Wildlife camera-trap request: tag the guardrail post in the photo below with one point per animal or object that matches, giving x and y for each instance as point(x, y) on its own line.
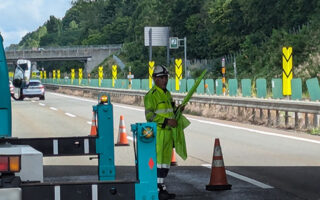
point(277, 117)
point(286, 118)
point(306, 120)
point(239, 111)
point(296, 120)
point(315, 120)
point(269, 117)
point(261, 114)
point(253, 114)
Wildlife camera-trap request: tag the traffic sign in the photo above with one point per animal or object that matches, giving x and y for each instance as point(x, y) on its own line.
point(173, 43)
point(130, 76)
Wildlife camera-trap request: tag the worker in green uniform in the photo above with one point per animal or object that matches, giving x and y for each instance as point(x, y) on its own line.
point(159, 108)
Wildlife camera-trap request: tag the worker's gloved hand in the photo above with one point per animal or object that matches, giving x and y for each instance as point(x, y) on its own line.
point(172, 122)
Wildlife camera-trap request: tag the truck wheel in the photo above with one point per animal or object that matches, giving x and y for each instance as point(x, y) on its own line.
point(42, 98)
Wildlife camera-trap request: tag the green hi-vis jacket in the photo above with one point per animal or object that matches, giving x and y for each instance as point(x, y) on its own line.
point(159, 107)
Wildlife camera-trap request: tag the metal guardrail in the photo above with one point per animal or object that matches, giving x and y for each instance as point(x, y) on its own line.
point(269, 104)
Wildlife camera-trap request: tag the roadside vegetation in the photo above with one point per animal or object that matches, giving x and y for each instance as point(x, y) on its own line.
point(251, 31)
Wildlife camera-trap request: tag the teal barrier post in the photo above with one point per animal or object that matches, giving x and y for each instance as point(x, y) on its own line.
point(296, 86)
point(246, 88)
point(171, 85)
point(145, 84)
point(183, 86)
point(313, 89)
point(146, 160)
point(136, 84)
point(104, 141)
point(190, 83)
point(5, 100)
point(276, 88)
point(219, 87)
point(233, 87)
point(210, 88)
point(200, 88)
point(261, 85)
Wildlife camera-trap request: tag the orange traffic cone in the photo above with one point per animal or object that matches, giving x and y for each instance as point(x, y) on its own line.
point(173, 158)
point(122, 136)
point(218, 180)
point(93, 131)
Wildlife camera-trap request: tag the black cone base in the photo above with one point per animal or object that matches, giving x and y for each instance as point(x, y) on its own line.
point(121, 145)
point(218, 187)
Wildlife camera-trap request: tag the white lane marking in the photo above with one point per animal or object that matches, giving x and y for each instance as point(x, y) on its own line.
point(255, 131)
point(42, 104)
point(94, 189)
point(57, 192)
point(53, 108)
point(69, 114)
point(72, 97)
point(206, 122)
point(92, 101)
point(90, 123)
point(243, 178)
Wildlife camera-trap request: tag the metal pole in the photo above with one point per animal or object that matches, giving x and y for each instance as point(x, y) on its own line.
point(235, 67)
point(150, 44)
point(223, 70)
point(130, 77)
point(185, 57)
point(168, 49)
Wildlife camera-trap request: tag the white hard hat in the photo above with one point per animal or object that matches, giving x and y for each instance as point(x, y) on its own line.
point(160, 70)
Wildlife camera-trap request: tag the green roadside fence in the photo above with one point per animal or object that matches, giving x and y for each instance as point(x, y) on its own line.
point(208, 86)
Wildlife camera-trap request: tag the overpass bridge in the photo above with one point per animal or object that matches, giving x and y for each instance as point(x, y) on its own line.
point(91, 55)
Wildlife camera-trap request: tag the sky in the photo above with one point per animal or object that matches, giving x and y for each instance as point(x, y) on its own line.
point(19, 17)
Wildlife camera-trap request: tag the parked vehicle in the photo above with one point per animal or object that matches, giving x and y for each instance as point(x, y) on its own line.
point(21, 77)
point(34, 89)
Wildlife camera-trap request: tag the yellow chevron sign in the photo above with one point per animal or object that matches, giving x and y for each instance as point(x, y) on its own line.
point(80, 75)
point(114, 74)
point(58, 73)
point(151, 68)
point(54, 74)
point(178, 69)
point(100, 75)
point(287, 70)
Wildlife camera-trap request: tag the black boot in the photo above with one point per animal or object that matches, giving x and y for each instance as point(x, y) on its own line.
point(164, 194)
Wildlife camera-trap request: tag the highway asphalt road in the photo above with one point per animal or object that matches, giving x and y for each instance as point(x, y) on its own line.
point(262, 163)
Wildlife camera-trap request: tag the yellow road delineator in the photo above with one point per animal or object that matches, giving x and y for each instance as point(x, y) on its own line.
point(72, 75)
point(287, 70)
point(151, 68)
point(54, 74)
point(80, 75)
point(100, 75)
point(178, 70)
point(114, 74)
point(58, 75)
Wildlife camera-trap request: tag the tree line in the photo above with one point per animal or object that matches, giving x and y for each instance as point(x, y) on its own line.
point(252, 32)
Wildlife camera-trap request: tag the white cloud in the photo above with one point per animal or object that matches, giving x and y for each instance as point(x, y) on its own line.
point(19, 17)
